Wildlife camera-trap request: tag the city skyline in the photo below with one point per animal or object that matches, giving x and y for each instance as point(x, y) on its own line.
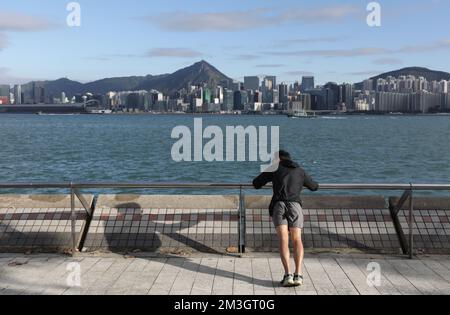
point(411, 90)
point(288, 39)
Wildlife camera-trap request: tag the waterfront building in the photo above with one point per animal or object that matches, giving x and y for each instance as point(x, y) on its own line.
point(18, 94)
point(424, 102)
point(364, 102)
point(4, 94)
point(305, 99)
point(347, 95)
point(63, 98)
point(317, 99)
point(387, 102)
point(446, 102)
point(332, 96)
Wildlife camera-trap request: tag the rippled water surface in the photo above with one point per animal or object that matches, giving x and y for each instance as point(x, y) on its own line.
point(138, 148)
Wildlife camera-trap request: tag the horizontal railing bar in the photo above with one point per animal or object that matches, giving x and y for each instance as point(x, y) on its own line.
point(118, 185)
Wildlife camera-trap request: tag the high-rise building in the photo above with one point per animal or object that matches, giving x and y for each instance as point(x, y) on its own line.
point(207, 96)
point(268, 86)
point(284, 93)
point(4, 95)
point(219, 94)
point(446, 102)
point(307, 83)
point(368, 85)
point(251, 83)
point(270, 82)
point(332, 95)
point(240, 100)
point(391, 102)
point(424, 102)
point(347, 95)
point(228, 100)
point(318, 99)
point(443, 86)
point(63, 98)
point(276, 97)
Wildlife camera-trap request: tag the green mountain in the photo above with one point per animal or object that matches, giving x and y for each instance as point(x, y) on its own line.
point(199, 73)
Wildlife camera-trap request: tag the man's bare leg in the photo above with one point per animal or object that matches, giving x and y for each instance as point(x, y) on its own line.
point(283, 237)
point(296, 236)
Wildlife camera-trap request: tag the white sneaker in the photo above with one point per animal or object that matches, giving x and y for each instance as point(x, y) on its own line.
point(288, 281)
point(298, 280)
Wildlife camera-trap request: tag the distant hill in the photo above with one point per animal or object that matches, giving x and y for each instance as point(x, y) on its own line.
point(56, 87)
point(199, 73)
point(430, 75)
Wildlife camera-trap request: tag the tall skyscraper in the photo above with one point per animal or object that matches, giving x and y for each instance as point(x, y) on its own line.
point(268, 86)
point(307, 83)
point(228, 100)
point(240, 100)
point(17, 94)
point(347, 95)
point(270, 82)
point(332, 95)
point(283, 93)
point(251, 83)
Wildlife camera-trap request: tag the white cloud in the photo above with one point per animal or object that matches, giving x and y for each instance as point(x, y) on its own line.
point(173, 53)
point(17, 22)
point(270, 66)
point(320, 14)
point(366, 51)
point(388, 61)
point(331, 53)
point(181, 21)
point(246, 57)
point(231, 21)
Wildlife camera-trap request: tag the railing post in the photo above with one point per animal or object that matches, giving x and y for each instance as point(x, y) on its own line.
point(411, 224)
point(73, 218)
point(242, 225)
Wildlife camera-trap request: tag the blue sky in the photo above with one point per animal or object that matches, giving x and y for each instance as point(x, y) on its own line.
point(287, 38)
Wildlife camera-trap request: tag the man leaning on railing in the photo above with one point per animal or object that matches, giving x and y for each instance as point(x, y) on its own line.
point(288, 180)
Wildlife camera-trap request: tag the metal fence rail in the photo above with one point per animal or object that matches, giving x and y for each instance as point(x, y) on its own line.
point(74, 190)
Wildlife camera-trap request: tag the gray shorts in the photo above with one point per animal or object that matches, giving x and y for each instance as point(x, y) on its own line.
point(288, 213)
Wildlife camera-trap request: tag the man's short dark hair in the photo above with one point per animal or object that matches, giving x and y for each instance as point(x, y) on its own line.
point(284, 155)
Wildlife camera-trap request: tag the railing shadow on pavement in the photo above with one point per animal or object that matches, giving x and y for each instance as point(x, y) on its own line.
point(75, 193)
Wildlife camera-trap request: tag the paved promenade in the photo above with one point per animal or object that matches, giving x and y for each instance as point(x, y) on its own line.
point(219, 275)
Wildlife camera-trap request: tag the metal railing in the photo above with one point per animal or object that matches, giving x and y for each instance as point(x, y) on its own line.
point(74, 189)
